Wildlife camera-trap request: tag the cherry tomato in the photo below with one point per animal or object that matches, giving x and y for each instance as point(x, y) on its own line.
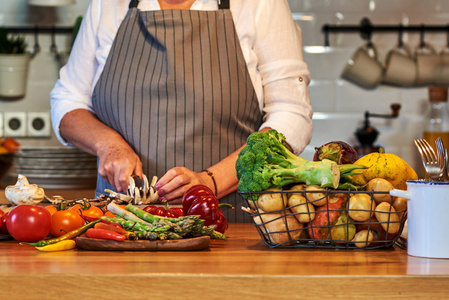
point(77, 207)
point(51, 208)
point(29, 223)
point(149, 208)
point(88, 210)
point(193, 193)
point(93, 211)
point(179, 211)
point(64, 221)
point(3, 228)
point(109, 214)
point(1, 213)
point(169, 212)
point(160, 211)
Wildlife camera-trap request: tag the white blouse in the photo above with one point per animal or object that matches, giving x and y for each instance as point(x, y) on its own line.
point(270, 40)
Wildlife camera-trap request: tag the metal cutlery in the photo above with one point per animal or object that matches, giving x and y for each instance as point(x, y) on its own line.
point(434, 168)
point(447, 163)
point(442, 156)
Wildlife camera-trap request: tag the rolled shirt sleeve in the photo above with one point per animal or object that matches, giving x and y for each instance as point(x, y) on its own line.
point(73, 90)
point(284, 74)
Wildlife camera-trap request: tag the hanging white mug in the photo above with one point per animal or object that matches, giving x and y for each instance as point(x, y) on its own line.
point(400, 67)
point(443, 68)
point(364, 68)
point(427, 64)
point(51, 2)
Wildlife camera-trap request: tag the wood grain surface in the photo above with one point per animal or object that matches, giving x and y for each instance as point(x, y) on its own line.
point(197, 243)
point(242, 267)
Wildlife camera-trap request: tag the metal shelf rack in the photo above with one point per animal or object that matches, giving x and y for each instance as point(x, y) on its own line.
point(366, 29)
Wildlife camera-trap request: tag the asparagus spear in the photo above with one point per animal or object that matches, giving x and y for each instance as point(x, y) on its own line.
point(117, 210)
point(152, 218)
point(136, 226)
point(151, 227)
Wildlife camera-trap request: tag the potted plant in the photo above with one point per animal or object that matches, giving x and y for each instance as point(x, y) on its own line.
point(14, 64)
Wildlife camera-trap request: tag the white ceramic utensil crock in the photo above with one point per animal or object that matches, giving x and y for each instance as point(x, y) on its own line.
point(428, 218)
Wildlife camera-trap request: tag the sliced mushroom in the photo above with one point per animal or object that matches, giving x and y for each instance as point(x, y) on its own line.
point(119, 196)
point(153, 197)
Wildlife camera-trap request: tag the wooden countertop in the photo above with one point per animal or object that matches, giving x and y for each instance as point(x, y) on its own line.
point(242, 267)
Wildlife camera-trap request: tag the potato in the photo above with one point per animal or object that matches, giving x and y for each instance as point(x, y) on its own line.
point(298, 187)
point(400, 205)
point(378, 231)
point(380, 185)
point(275, 227)
point(304, 211)
point(404, 233)
point(361, 207)
point(388, 218)
point(314, 197)
point(272, 201)
point(363, 238)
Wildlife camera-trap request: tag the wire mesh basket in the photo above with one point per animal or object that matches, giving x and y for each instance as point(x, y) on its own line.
point(326, 218)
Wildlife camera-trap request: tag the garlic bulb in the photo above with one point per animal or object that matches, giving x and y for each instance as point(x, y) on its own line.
point(24, 193)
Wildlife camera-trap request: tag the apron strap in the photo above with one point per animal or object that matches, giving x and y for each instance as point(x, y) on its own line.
point(223, 4)
point(133, 3)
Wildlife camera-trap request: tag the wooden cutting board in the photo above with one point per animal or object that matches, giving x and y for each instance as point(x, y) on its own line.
point(197, 243)
point(4, 236)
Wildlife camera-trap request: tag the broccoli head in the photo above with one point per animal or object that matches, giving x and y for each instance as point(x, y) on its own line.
point(266, 161)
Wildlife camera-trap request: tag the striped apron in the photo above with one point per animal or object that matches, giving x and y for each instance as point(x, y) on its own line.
point(176, 87)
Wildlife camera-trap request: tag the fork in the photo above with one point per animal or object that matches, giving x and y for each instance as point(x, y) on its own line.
point(442, 156)
point(431, 164)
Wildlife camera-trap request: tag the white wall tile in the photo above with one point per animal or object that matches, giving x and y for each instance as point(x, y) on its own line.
point(322, 95)
point(335, 127)
point(351, 98)
point(327, 65)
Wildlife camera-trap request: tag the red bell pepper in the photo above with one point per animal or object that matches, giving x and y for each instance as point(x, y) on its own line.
point(200, 200)
point(192, 194)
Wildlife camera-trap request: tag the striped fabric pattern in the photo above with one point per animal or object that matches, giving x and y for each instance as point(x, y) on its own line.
point(176, 87)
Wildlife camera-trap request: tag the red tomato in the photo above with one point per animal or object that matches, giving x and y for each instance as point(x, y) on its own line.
point(64, 221)
point(3, 228)
point(29, 223)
